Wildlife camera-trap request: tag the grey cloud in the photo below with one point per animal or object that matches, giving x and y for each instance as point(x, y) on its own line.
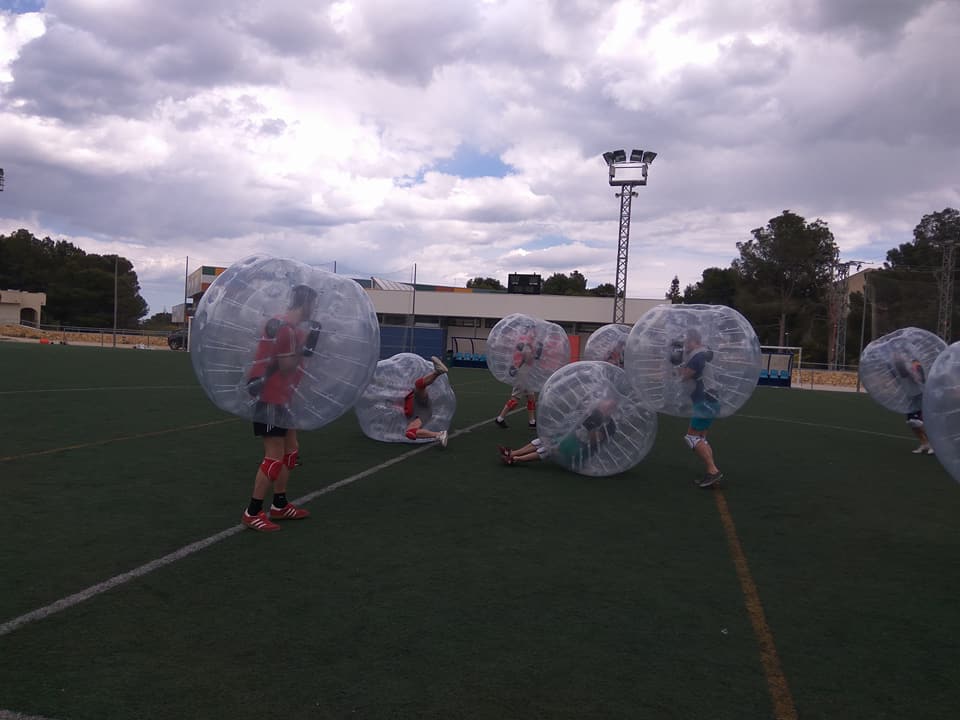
point(874, 24)
point(273, 126)
point(286, 214)
point(90, 64)
point(743, 62)
point(290, 31)
point(67, 73)
point(409, 41)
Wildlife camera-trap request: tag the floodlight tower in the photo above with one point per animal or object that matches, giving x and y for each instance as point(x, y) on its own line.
point(1, 179)
point(625, 174)
point(945, 317)
point(841, 286)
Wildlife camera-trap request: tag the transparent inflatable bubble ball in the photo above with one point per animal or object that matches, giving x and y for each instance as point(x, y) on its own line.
point(589, 419)
point(693, 360)
point(523, 351)
point(607, 343)
point(894, 367)
point(383, 406)
point(280, 342)
point(941, 409)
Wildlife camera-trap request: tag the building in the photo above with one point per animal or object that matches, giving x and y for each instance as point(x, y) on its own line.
point(466, 316)
point(17, 306)
point(436, 319)
point(196, 285)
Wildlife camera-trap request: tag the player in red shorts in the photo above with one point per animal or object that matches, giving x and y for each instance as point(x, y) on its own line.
point(417, 409)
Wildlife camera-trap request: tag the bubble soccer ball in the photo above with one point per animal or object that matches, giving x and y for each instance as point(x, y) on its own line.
point(607, 344)
point(248, 314)
point(894, 367)
point(941, 409)
point(380, 409)
point(523, 351)
point(693, 360)
point(590, 421)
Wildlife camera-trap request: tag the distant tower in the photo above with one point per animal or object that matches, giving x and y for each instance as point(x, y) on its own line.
point(944, 320)
point(626, 175)
point(841, 309)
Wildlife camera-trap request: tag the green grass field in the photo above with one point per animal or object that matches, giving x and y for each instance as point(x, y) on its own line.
point(821, 582)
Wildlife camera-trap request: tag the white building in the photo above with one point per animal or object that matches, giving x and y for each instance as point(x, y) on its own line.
point(470, 314)
point(17, 306)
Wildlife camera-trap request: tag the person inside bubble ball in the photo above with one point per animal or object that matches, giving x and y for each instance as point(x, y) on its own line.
point(615, 356)
point(910, 374)
point(417, 408)
point(691, 358)
point(574, 449)
point(278, 366)
point(527, 352)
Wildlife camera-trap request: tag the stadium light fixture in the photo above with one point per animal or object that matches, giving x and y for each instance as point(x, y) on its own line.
point(1, 179)
point(626, 175)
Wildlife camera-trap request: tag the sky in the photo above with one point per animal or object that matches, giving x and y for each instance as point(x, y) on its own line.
point(457, 139)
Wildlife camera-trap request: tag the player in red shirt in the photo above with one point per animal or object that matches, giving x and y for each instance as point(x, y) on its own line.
point(277, 370)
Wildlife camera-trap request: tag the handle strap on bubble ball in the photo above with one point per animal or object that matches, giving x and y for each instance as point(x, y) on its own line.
point(312, 337)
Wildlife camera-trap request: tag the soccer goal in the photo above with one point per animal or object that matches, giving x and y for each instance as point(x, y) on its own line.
point(777, 363)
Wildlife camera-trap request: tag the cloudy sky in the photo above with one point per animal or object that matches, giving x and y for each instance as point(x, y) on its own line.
point(464, 138)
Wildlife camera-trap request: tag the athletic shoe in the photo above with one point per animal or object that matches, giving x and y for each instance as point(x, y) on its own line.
point(925, 448)
point(259, 522)
point(438, 366)
point(501, 423)
point(930, 451)
point(442, 438)
point(711, 479)
point(532, 423)
point(288, 512)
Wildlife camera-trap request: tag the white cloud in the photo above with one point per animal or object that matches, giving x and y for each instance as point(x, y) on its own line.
point(213, 130)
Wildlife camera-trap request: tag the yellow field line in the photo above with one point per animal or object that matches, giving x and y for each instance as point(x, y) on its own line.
point(783, 706)
point(122, 438)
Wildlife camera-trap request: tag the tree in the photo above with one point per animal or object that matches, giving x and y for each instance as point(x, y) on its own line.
point(79, 287)
point(718, 286)
point(673, 294)
point(603, 290)
point(925, 251)
point(788, 265)
point(159, 321)
point(560, 284)
point(906, 291)
point(484, 283)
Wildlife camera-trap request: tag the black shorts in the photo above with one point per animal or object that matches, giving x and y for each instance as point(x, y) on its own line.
point(279, 420)
point(264, 430)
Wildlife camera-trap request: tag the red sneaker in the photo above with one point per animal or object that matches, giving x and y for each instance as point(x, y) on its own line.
point(259, 522)
point(288, 512)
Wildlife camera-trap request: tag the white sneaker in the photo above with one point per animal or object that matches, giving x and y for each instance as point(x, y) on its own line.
point(922, 449)
point(442, 438)
point(930, 451)
point(438, 366)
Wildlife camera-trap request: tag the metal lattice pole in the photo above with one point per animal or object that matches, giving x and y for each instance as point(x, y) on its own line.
point(840, 305)
point(843, 309)
point(944, 321)
point(620, 290)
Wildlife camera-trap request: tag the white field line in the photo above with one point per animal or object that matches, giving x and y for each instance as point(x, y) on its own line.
point(99, 389)
point(826, 427)
point(64, 603)
point(10, 715)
